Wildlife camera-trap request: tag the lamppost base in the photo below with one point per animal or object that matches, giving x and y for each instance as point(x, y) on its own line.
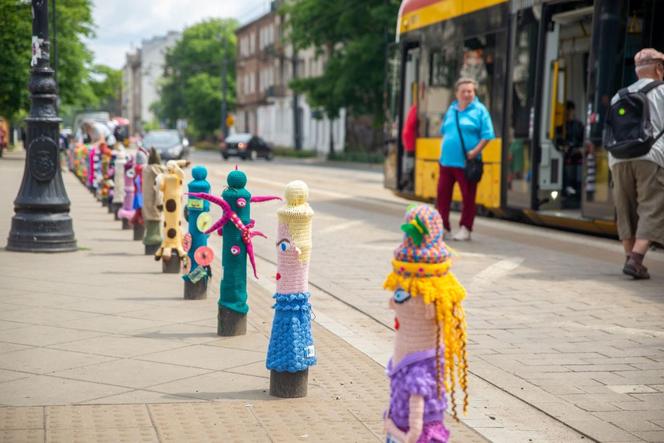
point(170, 265)
point(195, 291)
point(139, 231)
point(289, 384)
point(126, 224)
point(231, 323)
point(41, 232)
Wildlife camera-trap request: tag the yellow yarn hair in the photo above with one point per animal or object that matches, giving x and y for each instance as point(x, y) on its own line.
point(446, 293)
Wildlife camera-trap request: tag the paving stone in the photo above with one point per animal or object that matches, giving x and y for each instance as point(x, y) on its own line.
point(22, 436)
point(13, 418)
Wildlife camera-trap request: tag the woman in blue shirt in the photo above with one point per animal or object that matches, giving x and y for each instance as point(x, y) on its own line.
point(477, 130)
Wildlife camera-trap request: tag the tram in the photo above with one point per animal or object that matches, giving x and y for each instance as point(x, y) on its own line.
point(543, 68)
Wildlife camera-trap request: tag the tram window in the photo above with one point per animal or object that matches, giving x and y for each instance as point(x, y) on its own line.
point(443, 69)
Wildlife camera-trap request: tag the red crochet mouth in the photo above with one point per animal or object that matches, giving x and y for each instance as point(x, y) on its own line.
point(396, 323)
point(278, 276)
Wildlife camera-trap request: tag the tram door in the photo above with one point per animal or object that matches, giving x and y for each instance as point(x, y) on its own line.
point(562, 120)
point(399, 166)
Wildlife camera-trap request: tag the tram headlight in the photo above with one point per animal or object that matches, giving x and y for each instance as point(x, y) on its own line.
point(554, 195)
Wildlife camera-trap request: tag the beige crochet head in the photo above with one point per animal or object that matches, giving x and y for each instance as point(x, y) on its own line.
point(296, 215)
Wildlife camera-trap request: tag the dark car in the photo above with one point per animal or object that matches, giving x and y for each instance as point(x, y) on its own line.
point(168, 142)
point(245, 145)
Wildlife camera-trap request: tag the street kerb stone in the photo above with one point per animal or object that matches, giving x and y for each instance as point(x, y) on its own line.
point(21, 418)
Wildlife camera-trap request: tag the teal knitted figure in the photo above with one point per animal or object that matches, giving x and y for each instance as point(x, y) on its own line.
point(236, 246)
point(199, 255)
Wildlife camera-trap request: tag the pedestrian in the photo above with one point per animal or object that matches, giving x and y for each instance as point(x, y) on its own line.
point(638, 170)
point(466, 130)
point(569, 139)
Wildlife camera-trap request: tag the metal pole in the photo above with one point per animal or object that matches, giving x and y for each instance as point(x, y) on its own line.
point(41, 222)
point(224, 62)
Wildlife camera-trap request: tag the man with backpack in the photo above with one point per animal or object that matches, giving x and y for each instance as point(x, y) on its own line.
point(634, 138)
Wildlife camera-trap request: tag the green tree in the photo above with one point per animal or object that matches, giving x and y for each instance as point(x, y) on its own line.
point(352, 36)
point(191, 87)
point(106, 85)
point(15, 31)
point(74, 23)
point(74, 65)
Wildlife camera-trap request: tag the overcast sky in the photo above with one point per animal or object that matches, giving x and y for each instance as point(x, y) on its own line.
point(123, 24)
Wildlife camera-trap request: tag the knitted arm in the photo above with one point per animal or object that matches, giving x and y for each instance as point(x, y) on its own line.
point(415, 418)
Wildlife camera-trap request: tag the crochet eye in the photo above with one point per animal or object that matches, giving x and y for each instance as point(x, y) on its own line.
point(235, 250)
point(283, 245)
point(131, 173)
point(401, 296)
point(241, 202)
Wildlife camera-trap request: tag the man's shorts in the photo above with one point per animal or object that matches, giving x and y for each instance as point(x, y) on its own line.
point(638, 193)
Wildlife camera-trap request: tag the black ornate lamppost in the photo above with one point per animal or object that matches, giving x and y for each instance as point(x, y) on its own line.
point(41, 222)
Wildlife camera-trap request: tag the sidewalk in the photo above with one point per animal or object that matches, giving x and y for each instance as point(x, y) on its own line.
point(99, 345)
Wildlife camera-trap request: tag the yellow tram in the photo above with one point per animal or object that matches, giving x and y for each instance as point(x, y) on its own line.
point(542, 67)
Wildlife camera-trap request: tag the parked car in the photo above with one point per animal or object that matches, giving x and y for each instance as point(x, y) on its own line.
point(245, 145)
point(168, 142)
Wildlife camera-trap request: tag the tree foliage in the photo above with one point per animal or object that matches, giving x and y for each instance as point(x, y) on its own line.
point(74, 24)
point(106, 85)
point(191, 87)
point(15, 31)
point(352, 36)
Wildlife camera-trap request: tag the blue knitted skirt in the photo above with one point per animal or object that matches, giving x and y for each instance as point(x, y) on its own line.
point(291, 347)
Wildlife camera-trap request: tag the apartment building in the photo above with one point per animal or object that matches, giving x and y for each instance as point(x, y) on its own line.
point(265, 103)
point(142, 71)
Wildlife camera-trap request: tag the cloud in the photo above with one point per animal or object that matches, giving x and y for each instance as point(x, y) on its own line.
point(123, 24)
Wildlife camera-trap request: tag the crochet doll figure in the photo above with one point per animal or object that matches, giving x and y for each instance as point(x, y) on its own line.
point(291, 349)
point(430, 341)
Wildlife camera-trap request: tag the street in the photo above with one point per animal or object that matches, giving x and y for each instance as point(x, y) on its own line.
point(562, 347)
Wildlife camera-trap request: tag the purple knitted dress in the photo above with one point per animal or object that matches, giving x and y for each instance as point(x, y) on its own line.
point(416, 375)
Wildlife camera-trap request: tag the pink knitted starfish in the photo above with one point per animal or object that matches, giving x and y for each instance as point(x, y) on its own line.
point(229, 214)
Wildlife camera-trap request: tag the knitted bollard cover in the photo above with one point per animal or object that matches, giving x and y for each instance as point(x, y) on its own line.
point(199, 221)
point(118, 171)
point(127, 209)
point(171, 188)
point(291, 347)
point(430, 341)
point(152, 199)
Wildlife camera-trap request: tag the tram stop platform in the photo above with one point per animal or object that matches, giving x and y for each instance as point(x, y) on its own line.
point(99, 345)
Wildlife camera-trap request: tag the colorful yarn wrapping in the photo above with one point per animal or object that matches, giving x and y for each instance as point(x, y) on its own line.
point(423, 271)
point(197, 209)
point(291, 347)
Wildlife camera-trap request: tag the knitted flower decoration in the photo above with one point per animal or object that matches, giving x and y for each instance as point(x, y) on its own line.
point(421, 267)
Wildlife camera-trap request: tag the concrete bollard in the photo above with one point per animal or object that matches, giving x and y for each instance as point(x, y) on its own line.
point(291, 349)
point(236, 228)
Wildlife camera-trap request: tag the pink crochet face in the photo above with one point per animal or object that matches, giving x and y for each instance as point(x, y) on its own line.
point(292, 275)
point(409, 312)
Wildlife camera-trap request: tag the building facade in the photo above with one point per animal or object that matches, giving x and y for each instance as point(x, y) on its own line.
point(142, 71)
point(265, 104)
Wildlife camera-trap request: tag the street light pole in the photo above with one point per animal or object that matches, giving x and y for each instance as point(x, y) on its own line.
point(41, 222)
